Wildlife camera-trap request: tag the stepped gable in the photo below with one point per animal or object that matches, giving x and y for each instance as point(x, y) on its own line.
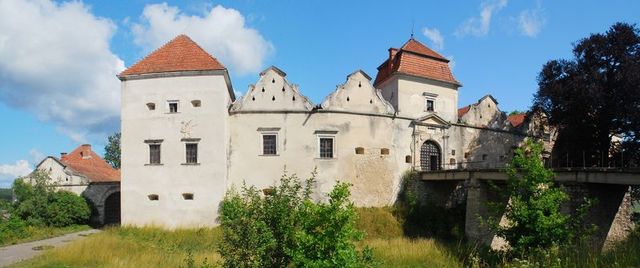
point(179, 54)
point(85, 162)
point(416, 59)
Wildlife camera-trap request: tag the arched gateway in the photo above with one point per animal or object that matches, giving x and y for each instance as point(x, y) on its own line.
point(430, 156)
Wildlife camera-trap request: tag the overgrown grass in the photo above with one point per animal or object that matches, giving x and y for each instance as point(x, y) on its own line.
point(154, 247)
point(33, 233)
point(134, 247)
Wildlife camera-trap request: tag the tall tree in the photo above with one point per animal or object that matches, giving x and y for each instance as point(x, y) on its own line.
point(594, 97)
point(112, 150)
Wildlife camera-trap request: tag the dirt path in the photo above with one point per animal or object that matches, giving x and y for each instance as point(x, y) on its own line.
point(20, 252)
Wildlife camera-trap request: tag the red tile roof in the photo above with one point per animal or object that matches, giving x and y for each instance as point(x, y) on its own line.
point(87, 163)
point(462, 111)
point(516, 119)
point(179, 54)
point(414, 58)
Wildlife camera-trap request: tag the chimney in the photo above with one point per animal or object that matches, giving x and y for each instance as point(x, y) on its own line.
point(86, 151)
point(63, 155)
point(392, 55)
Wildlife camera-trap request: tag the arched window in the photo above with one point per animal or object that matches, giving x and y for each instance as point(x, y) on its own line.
point(430, 156)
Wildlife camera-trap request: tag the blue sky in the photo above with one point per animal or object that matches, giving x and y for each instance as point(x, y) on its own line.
point(58, 59)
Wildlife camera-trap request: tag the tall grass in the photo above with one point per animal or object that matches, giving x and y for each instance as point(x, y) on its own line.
point(34, 233)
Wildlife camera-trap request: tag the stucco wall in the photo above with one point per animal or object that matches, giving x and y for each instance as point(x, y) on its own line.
point(63, 179)
point(412, 99)
point(169, 180)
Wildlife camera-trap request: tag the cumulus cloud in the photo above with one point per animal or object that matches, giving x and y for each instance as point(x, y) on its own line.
point(531, 21)
point(435, 37)
point(56, 63)
point(480, 25)
point(221, 31)
point(9, 172)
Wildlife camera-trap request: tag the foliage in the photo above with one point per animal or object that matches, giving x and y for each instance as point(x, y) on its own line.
point(112, 150)
point(285, 227)
point(422, 217)
point(515, 112)
point(593, 97)
point(39, 204)
point(6, 194)
point(534, 219)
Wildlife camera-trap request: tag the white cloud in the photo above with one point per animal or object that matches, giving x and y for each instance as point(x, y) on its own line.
point(36, 156)
point(531, 21)
point(221, 31)
point(10, 172)
point(56, 63)
point(480, 26)
point(435, 37)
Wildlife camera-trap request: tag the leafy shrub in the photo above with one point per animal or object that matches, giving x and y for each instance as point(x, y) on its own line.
point(285, 227)
point(533, 211)
point(12, 228)
point(39, 204)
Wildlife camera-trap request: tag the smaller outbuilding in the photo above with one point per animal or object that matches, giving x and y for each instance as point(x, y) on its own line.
point(85, 173)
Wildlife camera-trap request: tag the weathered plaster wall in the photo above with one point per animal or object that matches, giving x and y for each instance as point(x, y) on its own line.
point(412, 99)
point(63, 178)
point(169, 180)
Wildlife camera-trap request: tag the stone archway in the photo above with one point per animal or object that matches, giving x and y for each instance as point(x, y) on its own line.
point(112, 209)
point(430, 156)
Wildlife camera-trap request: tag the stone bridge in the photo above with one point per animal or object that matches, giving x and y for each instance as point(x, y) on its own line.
point(610, 187)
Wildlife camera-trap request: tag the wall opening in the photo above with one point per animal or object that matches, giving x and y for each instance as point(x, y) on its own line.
point(112, 209)
point(384, 151)
point(153, 197)
point(196, 103)
point(187, 196)
point(359, 150)
point(407, 159)
point(430, 156)
point(151, 106)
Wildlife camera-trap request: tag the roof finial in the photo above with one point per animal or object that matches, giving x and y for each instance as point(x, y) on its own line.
point(413, 24)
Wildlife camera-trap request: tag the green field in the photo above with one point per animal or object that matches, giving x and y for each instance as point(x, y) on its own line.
point(154, 247)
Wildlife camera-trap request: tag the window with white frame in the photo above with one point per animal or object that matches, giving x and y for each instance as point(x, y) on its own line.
point(269, 144)
point(326, 143)
point(173, 106)
point(430, 105)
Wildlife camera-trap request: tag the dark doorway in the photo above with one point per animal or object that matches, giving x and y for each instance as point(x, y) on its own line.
point(430, 156)
point(112, 209)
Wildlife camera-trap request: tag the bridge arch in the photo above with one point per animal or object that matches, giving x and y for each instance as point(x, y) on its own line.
point(430, 156)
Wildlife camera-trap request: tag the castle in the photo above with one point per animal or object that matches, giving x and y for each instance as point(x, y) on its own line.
point(187, 139)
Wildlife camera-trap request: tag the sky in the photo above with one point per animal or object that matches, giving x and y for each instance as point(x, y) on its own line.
point(59, 59)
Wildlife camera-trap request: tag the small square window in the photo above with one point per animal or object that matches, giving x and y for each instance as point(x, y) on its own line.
point(173, 106)
point(453, 152)
point(192, 153)
point(269, 144)
point(151, 106)
point(359, 150)
point(484, 157)
point(196, 103)
point(154, 154)
point(153, 197)
point(384, 151)
point(187, 196)
point(430, 106)
point(326, 147)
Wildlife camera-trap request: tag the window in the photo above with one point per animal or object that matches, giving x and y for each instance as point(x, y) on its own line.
point(453, 152)
point(326, 147)
point(192, 153)
point(484, 157)
point(269, 144)
point(384, 151)
point(153, 197)
point(196, 103)
point(151, 106)
point(407, 159)
point(187, 196)
point(430, 106)
point(154, 154)
point(173, 106)
point(359, 150)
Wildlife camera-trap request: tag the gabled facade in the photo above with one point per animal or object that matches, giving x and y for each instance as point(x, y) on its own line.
point(364, 133)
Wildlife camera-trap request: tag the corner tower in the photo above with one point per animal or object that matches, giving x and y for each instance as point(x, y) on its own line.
point(174, 122)
point(418, 82)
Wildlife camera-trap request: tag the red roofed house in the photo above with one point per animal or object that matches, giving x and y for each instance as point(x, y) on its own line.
point(85, 173)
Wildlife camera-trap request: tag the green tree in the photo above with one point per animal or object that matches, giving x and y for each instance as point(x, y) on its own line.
point(38, 203)
point(112, 150)
point(593, 97)
point(533, 211)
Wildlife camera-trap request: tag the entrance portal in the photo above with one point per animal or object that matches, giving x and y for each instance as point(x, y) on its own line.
point(430, 156)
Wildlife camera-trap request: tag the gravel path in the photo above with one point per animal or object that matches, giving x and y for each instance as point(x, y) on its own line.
point(20, 252)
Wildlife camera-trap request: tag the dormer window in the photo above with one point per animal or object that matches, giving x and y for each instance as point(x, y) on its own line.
point(430, 105)
point(173, 106)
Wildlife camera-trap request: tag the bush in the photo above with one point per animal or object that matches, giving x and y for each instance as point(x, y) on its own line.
point(12, 228)
point(533, 211)
point(285, 227)
point(39, 204)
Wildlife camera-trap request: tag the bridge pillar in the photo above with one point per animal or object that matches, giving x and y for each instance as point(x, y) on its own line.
point(611, 212)
point(479, 197)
